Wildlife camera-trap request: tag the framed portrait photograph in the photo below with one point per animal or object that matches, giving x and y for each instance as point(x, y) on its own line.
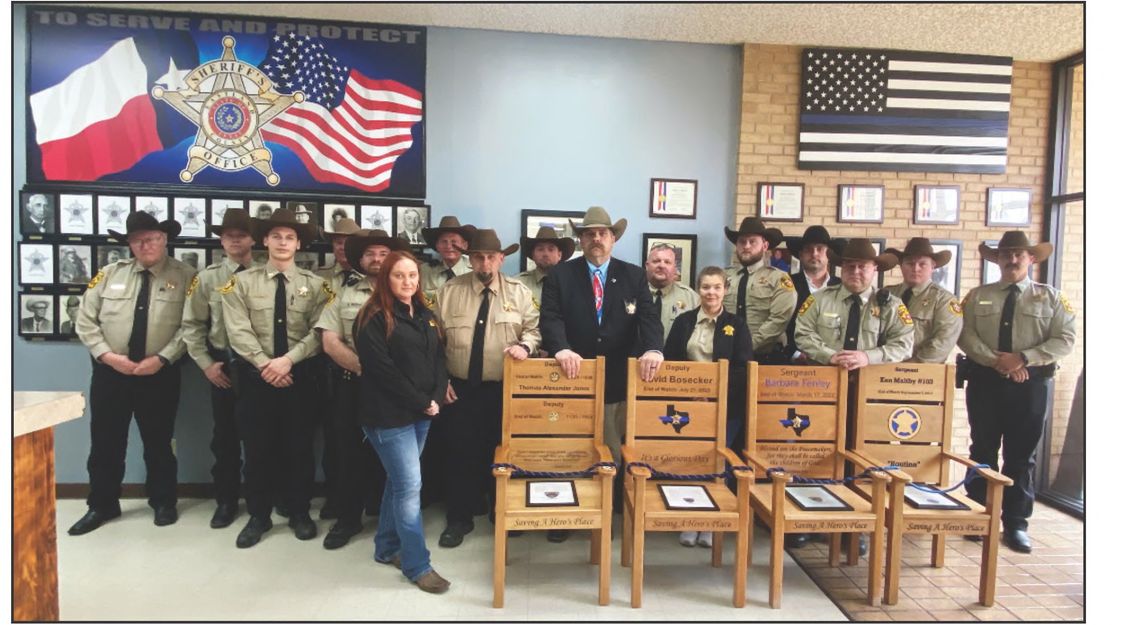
point(780, 201)
point(37, 213)
point(879, 244)
point(410, 223)
point(936, 204)
point(551, 493)
point(262, 209)
point(928, 500)
point(37, 315)
point(686, 497)
point(306, 212)
point(74, 264)
point(308, 260)
point(336, 212)
point(37, 263)
point(112, 214)
point(815, 498)
point(948, 276)
point(76, 213)
point(860, 203)
point(157, 206)
point(67, 311)
point(673, 197)
point(1007, 207)
point(684, 247)
point(107, 254)
point(190, 213)
point(193, 256)
point(533, 219)
point(374, 217)
point(218, 208)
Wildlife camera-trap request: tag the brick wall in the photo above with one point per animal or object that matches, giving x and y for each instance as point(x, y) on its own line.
point(768, 127)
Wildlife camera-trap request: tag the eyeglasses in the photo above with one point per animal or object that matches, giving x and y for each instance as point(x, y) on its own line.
point(154, 239)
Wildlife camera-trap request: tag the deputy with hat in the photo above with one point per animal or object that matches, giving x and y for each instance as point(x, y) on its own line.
point(204, 331)
point(449, 240)
point(816, 252)
point(937, 314)
point(486, 316)
point(340, 271)
point(1014, 332)
point(671, 297)
point(359, 468)
point(269, 314)
point(546, 249)
point(758, 293)
point(850, 325)
point(131, 322)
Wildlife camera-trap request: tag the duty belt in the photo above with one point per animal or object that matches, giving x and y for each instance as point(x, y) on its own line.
point(1035, 372)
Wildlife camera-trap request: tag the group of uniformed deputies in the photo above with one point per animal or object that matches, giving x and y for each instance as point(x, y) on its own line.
point(276, 343)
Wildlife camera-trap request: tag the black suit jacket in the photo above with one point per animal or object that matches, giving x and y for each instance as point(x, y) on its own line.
point(802, 292)
point(568, 319)
point(736, 348)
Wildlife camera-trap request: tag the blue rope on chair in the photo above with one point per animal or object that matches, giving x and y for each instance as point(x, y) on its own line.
point(971, 473)
point(685, 477)
point(820, 481)
point(521, 472)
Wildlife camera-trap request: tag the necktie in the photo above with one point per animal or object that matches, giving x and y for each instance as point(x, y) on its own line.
point(657, 302)
point(1005, 332)
point(240, 269)
point(280, 336)
point(741, 293)
point(599, 294)
point(449, 273)
point(136, 346)
point(907, 294)
point(854, 319)
point(475, 365)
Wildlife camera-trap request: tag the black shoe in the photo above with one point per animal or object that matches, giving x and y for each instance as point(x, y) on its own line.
point(974, 538)
point(224, 515)
point(251, 533)
point(1018, 540)
point(327, 512)
point(165, 515)
point(795, 541)
point(453, 534)
point(557, 536)
point(862, 545)
point(303, 526)
point(340, 533)
point(91, 521)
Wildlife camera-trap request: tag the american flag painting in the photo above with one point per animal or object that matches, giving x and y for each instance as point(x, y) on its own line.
point(889, 110)
point(351, 128)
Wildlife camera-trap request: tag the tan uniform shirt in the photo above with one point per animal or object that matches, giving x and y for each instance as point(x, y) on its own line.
point(512, 319)
point(203, 325)
point(248, 301)
point(769, 304)
point(937, 316)
point(339, 316)
point(700, 345)
point(107, 311)
point(335, 275)
point(533, 280)
point(676, 298)
point(1044, 327)
point(432, 277)
point(886, 333)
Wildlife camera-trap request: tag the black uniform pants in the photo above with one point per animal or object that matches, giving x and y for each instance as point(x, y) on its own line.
point(277, 426)
point(225, 443)
point(1011, 416)
point(470, 429)
point(360, 474)
point(330, 464)
point(152, 401)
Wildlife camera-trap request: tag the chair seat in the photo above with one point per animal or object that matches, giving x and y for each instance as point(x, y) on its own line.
point(586, 515)
point(660, 518)
point(860, 518)
point(959, 496)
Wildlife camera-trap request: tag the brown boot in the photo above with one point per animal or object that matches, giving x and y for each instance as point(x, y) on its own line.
point(433, 583)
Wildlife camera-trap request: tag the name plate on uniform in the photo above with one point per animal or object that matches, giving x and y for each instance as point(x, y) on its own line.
point(551, 493)
point(677, 379)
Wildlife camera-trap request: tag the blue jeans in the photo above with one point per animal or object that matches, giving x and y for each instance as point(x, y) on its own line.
point(401, 528)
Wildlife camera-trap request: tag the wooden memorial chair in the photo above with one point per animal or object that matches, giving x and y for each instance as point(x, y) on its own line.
point(796, 432)
point(552, 432)
point(904, 415)
point(675, 436)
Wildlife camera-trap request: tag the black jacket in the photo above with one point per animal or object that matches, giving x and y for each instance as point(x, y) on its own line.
point(735, 347)
point(401, 374)
point(802, 292)
point(568, 319)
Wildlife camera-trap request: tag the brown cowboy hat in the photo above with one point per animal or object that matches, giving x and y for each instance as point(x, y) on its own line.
point(355, 245)
point(448, 224)
point(344, 227)
point(812, 236)
point(234, 219)
point(284, 218)
point(862, 249)
point(142, 221)
point(597, 217)
point(920, 246)
point(1016, 240)
point(486, 240)
point(546, 234)
point(753, 225)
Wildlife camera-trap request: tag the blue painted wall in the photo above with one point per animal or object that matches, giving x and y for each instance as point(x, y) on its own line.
point(516, 121)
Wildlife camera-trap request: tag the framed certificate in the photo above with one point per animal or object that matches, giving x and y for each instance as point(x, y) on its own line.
point(673, 198)
point(550, 493)
point(687, 497)
point(936, 204)
point(780, 201)
point(815, 498)
point(1007, 207)
point(926, 500)
point(860, 203)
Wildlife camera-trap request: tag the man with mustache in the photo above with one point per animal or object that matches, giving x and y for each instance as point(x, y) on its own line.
point(1014, 332)
point(449, 240)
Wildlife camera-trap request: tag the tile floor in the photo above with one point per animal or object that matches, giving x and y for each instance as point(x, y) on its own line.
point(1046, 585)
point(131, 570)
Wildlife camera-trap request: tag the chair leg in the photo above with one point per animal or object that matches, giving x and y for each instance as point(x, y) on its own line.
point(500, 572)
point(852, 539)
point(894, 563)
point(626, 539)
point(833, 549)
point(938, 551)
point(717, 549)
point(595, 542)
point(987, 585)
point(875, 568)
point(638, 572)
point(604, 556)
point(751, 529)
point(776, 567)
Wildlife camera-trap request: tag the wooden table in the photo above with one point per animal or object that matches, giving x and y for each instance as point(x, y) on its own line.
point(35, 577)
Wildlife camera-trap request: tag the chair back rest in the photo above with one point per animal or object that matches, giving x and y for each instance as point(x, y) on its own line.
point(797, 418)
point(903, 415)
point(552, 422)
point(677, 421)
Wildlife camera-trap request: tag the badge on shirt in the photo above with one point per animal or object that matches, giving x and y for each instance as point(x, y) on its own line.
point(170, 286)
point(229, 286)
point(729, 330)
point(303, 291)
point(193, 285)
point(630, 307)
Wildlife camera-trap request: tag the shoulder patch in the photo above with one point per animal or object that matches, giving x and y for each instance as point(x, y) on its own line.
point(329, 292)
point(228, 287)
point(1066, 304)
point(806, 305)
point(96, 280)
point(193, 286)
point(786, 282)
point(534, 300)
point(904, 315)
point(431, 301)
point(955, 307)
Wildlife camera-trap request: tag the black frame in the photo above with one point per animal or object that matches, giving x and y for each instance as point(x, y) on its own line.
point(838, 506)
point(391, 216)
point(532, 504)
point(205, 218)
point(955, 260)
point(760, 209)
point(91, 210)
point(396, 229)
point(326, 212)
point(919, 188)
point(528, 213)
point(665, 500)
point(130, 200)
point(52, 212)
point(839, 203)
point(92, 269)
point(52, 306)
point(653, 182)
point(691, 261)
point(51, 254)
point(949, 502)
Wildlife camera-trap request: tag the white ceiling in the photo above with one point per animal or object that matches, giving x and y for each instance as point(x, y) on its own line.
point(1027, 32)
